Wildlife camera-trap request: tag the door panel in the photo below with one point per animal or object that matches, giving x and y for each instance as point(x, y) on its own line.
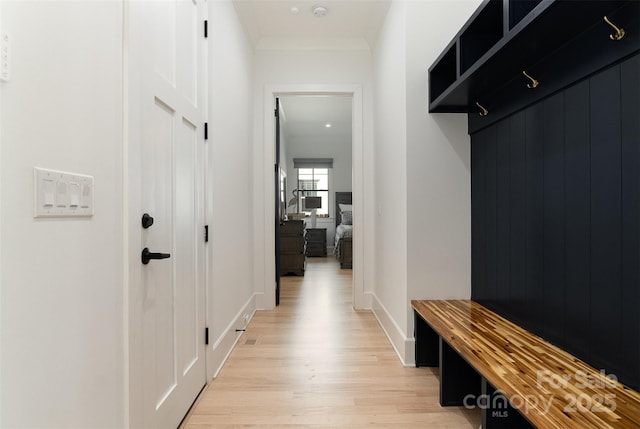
point(276, 173)
point(170, 64)
point(191, 31)
point(186, 241)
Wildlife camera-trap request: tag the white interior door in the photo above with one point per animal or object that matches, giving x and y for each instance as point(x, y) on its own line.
point(167, 86)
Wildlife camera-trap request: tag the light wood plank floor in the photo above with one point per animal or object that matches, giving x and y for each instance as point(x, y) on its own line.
point(315, 362)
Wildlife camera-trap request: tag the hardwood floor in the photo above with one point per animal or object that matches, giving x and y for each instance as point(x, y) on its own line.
point(315, 362)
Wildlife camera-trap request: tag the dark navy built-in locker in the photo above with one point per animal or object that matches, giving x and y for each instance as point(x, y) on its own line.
point(556, 219)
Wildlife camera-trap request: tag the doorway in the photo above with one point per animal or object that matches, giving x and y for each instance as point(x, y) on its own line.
point(316, 155)
point(359, 299)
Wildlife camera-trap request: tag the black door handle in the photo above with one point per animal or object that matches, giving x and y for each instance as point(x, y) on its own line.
point(147, 256)
point(147, 221)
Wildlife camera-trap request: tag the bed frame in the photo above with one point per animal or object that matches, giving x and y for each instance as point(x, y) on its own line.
point(345, 247)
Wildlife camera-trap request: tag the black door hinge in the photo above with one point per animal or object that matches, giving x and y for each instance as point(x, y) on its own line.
point(206, 336)
point(206, 28)
point(206, 131)
point(206, 233)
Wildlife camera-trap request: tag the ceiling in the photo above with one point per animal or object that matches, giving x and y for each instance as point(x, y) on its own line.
point(345, 23)
point(345, 19)
point(306, 116)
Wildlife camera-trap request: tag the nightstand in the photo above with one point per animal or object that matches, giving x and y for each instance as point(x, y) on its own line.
point(316, 239)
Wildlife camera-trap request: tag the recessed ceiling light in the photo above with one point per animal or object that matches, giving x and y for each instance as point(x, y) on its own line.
point(320, 11)
point(327, 125)
point(295, 10)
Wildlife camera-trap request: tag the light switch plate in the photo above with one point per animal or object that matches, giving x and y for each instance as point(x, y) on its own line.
point(5, 57)
point(62, 194)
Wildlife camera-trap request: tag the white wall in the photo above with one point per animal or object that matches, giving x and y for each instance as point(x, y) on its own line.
point(62, 358)
point(391, 176)
point(438, 164)
point(422, 171)
point(230, 215)
point(317, 67)
point(317, 147)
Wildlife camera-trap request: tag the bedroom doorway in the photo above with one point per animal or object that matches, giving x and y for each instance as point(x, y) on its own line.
point(353, 94)
point(316, 157)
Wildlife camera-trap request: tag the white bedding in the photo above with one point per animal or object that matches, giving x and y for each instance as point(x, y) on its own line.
point(342, 230)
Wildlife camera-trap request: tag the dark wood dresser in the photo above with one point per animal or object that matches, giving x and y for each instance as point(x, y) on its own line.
point(316, 239)
point(292, 255)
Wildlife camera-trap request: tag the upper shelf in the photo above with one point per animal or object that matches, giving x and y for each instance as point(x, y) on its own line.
point(503, 38)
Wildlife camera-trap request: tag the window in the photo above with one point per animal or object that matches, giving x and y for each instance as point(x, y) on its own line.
point(314, 179)
point(314, 182)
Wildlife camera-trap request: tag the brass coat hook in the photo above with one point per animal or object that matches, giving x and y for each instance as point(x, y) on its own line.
point(483, 111)
point(619, 31)
point(533, 83)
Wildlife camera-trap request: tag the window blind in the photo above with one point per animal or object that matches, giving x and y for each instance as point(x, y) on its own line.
point(312, 162)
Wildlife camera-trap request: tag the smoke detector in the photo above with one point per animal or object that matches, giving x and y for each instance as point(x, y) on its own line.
point(320, 11)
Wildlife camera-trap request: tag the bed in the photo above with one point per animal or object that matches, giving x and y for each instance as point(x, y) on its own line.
point(343, 242)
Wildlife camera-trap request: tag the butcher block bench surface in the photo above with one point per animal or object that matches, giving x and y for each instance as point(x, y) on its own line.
point(550, 387)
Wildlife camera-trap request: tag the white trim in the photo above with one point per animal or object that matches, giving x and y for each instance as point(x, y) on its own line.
point(404, 346)
point(126, 292)
point(271, 91)
point(2, 392)
point(219, 352)
point(260, 301)
point(312, 44)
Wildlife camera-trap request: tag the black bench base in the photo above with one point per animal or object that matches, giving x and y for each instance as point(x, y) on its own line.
point(460, 383)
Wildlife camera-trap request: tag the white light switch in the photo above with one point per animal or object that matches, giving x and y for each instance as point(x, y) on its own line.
point(48, 192)
point(87, 196)
point(74, 195)
point(5, 58)
point(62, 194)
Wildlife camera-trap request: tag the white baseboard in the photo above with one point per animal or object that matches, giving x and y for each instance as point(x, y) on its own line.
point(219, 351)
point(260, 301)
point(404, 346)
point(367, 300)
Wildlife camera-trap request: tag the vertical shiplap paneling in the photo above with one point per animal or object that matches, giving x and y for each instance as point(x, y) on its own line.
point(577, 220)
point(534, 135)
point(630, 140)
point(518, 216)
point(491, 215)
point(503, 161)
point(572, 228)
point(553, 309)
point(606, 297)
point(478, 240)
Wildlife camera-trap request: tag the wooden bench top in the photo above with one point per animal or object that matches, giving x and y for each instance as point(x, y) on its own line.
point(531, 370)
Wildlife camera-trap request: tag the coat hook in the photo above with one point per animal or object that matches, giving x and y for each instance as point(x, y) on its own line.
point(483, 111)
point(533, 83)
point(619, 31)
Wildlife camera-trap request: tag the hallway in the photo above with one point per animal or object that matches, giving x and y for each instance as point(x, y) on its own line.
point(315, 362)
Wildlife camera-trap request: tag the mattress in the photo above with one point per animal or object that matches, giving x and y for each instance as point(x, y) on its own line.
point(342, 231)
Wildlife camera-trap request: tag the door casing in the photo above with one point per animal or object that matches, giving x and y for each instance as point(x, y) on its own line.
point(360, 299)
